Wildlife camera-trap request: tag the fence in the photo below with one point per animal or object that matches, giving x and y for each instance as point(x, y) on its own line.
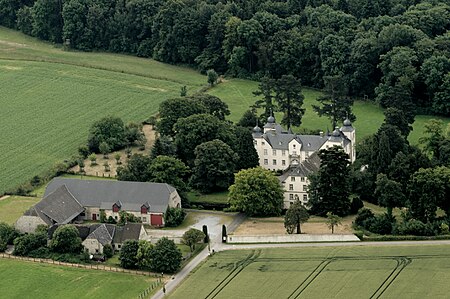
point(82, 266)
point(148, 290)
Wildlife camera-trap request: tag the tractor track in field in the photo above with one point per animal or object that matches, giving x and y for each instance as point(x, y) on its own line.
point(238, 267)
point(310, 278)
point(402, 263)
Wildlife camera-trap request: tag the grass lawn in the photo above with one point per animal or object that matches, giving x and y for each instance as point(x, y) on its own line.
point(12, 208)
point(419, 271)
point(20, 279)
point(218, 197)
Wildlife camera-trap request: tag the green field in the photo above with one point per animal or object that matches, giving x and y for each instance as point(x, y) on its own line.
point(20, 279)
point(50, 97)
point(13, 207)
point(419, 271)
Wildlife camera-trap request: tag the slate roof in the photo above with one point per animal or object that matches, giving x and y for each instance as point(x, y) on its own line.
point(132, 195)
point(304, 169)
point(129, 231)
point(102, 234)
point(311, 142)
point(58, 206)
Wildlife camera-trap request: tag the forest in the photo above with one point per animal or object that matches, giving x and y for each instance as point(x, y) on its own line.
point(396, 52)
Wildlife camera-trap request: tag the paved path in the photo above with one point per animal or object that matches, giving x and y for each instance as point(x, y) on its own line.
point(218, 246)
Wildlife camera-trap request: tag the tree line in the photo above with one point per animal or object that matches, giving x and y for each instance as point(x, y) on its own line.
point(395, 51)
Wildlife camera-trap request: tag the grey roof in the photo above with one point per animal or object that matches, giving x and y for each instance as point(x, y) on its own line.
point(278, 141)
point(311, 142)
point(58, 206)
point(94, 193)
point(102, 234)
point(129, 231)
point(304, 169)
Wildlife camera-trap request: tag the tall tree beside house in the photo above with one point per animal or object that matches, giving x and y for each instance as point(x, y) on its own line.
point(329, 189)
point(335, 104)
point(289, 98)
point(256, 192)
point(295, 216)
point(286, 92)
point(214, 168)
point(66, 239)
point(166, 257)
point(244, 148)
point(128, 254)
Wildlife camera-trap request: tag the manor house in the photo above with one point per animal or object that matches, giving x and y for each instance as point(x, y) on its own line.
point(296, 155)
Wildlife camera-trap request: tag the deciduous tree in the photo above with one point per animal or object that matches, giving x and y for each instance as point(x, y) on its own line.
point(66, 239)
point(192, 237)
point(166, 257)
point(295, 216)
point(256, 192)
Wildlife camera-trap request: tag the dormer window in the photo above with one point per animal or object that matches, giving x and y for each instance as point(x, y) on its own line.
point(144, 210)
point(115, 208)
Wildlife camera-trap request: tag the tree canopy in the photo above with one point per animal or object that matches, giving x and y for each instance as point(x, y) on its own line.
point(256, 192)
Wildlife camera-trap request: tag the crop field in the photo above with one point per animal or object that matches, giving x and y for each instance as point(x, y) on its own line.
point(419, 271)
point(19, 279)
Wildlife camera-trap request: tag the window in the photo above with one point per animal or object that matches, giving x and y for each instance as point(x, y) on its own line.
point(266, 161)
point(255, 142)
point(283, 162)
point(118, 245)
point(293, 146)
point(302, 179)
point(274, 152)
point(144, 219)
point(291, 196)
point(294, 153)
point(115, 217)
point(265, 152)
point(291, 187)
point(291, 203)
point(262, 142)
point(96, 250)
point(305, 197)
point(292, 178)
point(274, 162)
point(305, 188)
point(283, 153)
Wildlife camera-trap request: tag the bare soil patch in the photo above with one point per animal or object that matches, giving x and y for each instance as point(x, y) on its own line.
point(99, 169)
point(275, 226)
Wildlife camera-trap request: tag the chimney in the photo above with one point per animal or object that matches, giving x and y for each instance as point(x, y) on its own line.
point(321, 133)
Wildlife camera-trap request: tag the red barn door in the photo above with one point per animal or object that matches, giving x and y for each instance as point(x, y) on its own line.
point(156, 220)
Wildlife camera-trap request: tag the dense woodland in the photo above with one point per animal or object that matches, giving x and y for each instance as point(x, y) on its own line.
point(394, 51)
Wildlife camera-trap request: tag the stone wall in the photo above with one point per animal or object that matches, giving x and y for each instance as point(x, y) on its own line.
point(232, 239)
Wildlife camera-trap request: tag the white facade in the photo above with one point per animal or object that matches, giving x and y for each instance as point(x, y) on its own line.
point(283, 150)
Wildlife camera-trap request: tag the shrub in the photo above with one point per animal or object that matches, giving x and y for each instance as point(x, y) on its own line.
point(108, 250)
point(3, 245)
point(83, 150)
point(7, 233)
point(364, 218)
point(128, 254)
point(25, 244)
point(414, 227)
point(356, 205)
point(66, 240)
point(382, 224)
point(174, 217)
point(41, 252)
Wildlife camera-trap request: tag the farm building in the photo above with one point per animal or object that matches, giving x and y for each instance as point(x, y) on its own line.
point(95, 236)
point(296, 155)
point(73, 200)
